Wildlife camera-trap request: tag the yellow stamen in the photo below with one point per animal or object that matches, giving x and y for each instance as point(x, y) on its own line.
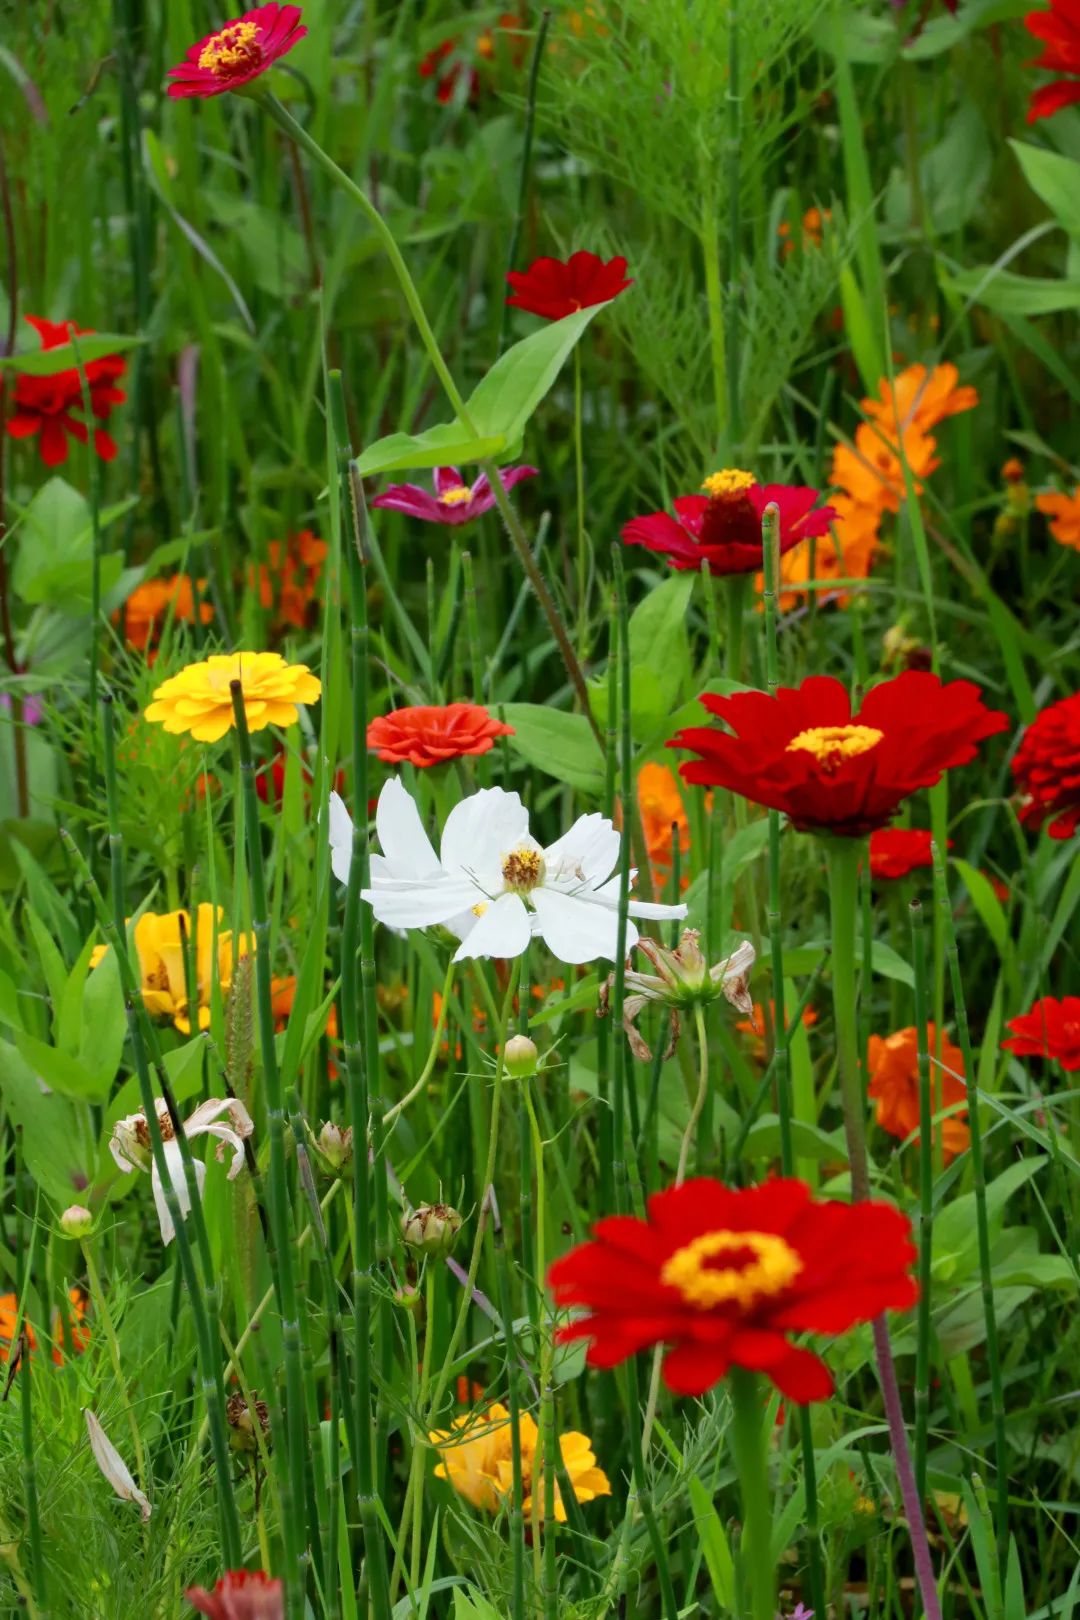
point(729, 484)
point(831, 745)
point(234, 47)
point(762, 1264)
point(479, 908)
point(455, 496)
point(523, 869)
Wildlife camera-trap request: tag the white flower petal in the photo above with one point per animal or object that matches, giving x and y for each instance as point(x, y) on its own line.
point(653, 911)
point(177, 1176)
point(502, 930)
point(575, 930)
point(589, 851)
point(421, 905)
point(401, 833)
point(341, 836)
point(112, 1465)
point(481, 829)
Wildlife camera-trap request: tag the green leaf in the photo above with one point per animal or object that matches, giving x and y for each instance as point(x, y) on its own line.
point(1056, 180)
point(499, 408)
point(103, 1022)
point(803, 959)
point(60, 1071)
point(809, 1141)
point(47, 362)
point(50, 1134)
point(55, 548)
point(559, 744)
point(1010, 294)
point(986, 903)
point(714, 1544)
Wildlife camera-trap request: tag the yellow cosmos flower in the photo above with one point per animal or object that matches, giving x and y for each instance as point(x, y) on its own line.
point(160, 945)
point(477, 1461)
point(199, 699)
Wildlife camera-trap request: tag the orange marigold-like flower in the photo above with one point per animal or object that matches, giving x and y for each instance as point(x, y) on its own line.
point(477, 1459)
point(663, 814)
point(1064, 514)
point(288, 584)
point(199, 699)
point(80, 1334)
point(893, 1066)
point(151, 603)
point(920, 399)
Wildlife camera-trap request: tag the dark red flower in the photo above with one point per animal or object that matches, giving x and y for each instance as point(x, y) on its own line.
point(1050, 1030)
point(1046, 767)
point(1059, 28)
point(723, 527)
point(240, 51)
point(897, 851)
point(44, 405)
point(270, 781)
point(241, 1594)
point(431, 66)
point(554, 288)
point(428, 735)
point(724, 1276)
point(804, 752)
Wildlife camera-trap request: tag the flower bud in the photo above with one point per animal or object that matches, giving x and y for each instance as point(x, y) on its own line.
point(242, 1418)
point(521, 1057)
point(431, 1229)
point(76, 1222)
point(335, 1145)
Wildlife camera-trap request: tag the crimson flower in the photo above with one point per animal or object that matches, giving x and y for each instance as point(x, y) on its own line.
point(454, 501)
point(1050, 1030)
point(240, 1594)
point(240, 51)
point(428, 735)
point(44, 405)
point(554, 288)
point(723, 527)
point(831, 771)
point(725, 1275)
point(1059, 29)
point(895, 852)
point(1046, 767)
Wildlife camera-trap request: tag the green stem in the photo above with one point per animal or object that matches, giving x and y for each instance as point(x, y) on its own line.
point(734, 184)
point(517, 1517)
point(582, 551)
point(926, 1200)
point(526, 154)
point(749, 1443)
point(699, 1099)
point(545, 1468)
point(737, 590)
point(714, 295)
point(429, 1064)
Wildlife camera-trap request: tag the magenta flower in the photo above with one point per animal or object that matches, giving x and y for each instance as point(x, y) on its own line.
point(454, 501)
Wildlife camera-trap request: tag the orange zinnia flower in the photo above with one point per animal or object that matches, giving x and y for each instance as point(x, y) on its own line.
point(1064, 514)
point(150, 604)
point(290, 580)
point(9, 1318)
point(893, 1066)
point(663, 815)
point(754, 1026)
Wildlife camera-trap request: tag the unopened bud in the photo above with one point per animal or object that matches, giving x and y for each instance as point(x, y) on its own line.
point(76, 1222)
point(409, 1299)
point(335, 1145)
point(431, 1229)
point(242, 1418)
point(521, 1057)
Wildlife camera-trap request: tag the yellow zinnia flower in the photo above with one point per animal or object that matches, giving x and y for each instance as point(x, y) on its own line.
point(159, 944)
point(478, 1463)
point(199, 699)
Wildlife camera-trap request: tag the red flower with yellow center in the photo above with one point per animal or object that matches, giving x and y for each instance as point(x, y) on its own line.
point(240, 51)
point(240, 1594)
point(431, 734)
point(555, 288)
point(1059, 29)
point(892, 1063)
point(723, 527)
point(1050, 1030)
point(831, 770)
point(44, 405)
point(1046, 768)
point(724, 1276)
point(896, 852)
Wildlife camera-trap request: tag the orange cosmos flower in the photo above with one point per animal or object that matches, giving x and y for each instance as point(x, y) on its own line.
point(754, 1026)
point(848, 552)
point(80, 1335)
point(1064, 514)
point(920, 399)
point(282, 996)
point(663, 815)
point(149, 605)
point(872, 472)
point(288, 584)
point(893, 1065)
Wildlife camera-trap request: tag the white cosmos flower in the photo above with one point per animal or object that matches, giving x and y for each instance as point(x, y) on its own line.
point(130, 1147)
point(112, 1465)
point(491, 883)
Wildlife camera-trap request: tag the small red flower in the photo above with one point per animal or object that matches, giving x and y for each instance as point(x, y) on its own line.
point(723, 527)
point(724, 1276)
point(44, 405)
point(554, 288)
point(1059, 28)
point(428, 735)
point(509, 27)
point(1050, 1030)
point(240, 51)
point(804, 752)
point(1046, 767)
point(241, 1594)
point(895, 852)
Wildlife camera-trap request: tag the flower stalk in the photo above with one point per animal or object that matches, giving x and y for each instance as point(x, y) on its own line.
point(749, 1443)
point(926, 1197)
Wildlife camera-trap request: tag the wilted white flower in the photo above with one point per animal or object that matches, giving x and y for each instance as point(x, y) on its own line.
point(130, 1147)
point(112, 1465)
point(683, 977)
point(492, 884)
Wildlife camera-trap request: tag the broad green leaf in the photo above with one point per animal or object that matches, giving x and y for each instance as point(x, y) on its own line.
point(1055, 179)
point(59, 1070)
point(559, 744)
point(809, 1141)
point(103, 1022)
point(55, 547)
point(47, 362)
point(803, 959)
point(986, 903)
point(50, 1135)
point(1009, 294)
point(449, 444)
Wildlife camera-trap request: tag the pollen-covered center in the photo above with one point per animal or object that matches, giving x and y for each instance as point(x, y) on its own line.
point(731, 1268)
point(730, 517)
point(832, 745)
point(523, 869)
point(235, 50)
point(455, 496)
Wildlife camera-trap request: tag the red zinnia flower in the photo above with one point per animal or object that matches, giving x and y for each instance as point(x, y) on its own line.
point(43, 405)
point(1060, 29)
point(1047, 768)
point(1050, 1030)
point(831, 771)
point(428, 735)
point(895, 852)
point(240, 1594)
point(240, 51)
point(723, 527)
point(554, 288)
point(724, 1276)
point(431, 67)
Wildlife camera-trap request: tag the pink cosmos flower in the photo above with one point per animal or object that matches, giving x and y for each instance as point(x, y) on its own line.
point(454, 501)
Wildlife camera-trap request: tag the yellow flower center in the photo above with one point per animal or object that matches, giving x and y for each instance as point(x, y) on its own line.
point(455, 496)
point(728, 484)
point(236, 47)
point(479, 908)
point(523, 869)
point(731, 1268)
point(832, 745)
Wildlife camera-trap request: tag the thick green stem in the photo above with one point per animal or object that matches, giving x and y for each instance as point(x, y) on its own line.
point(926, 1199)
point(749, 1443)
